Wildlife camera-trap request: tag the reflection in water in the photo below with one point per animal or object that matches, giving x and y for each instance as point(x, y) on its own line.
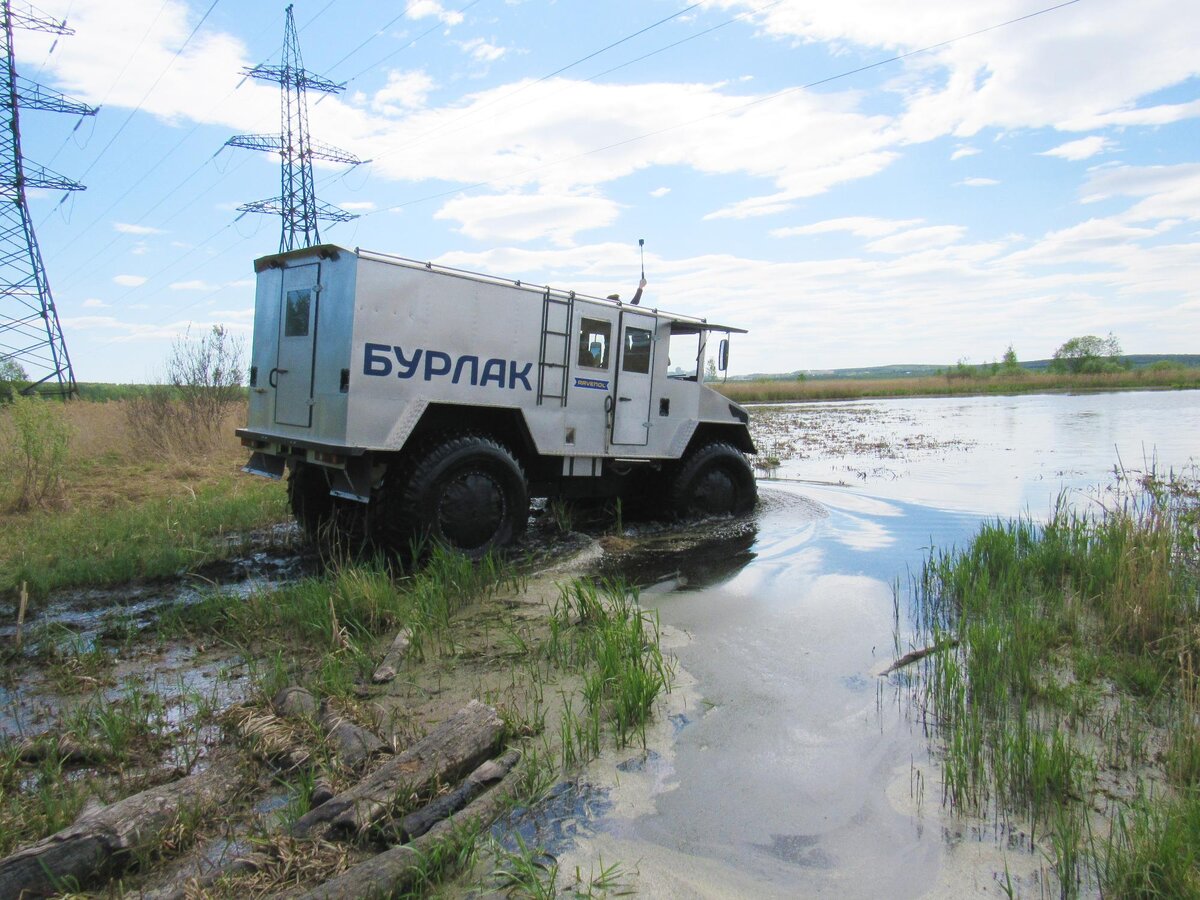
point(797, 772)
point(687, 561)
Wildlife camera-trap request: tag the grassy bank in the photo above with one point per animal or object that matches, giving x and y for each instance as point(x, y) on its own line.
point(1063, 687)
point(108, 509)
point(571, 668)
point(944, 385)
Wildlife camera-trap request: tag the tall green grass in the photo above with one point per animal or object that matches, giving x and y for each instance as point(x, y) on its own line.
point(160, 537)
point(1074, 640)
point(343, 612)
point(603, 633)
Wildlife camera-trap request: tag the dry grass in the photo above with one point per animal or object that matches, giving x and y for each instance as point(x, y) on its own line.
point(938, 386)
point(124, 511)
point(108, 467)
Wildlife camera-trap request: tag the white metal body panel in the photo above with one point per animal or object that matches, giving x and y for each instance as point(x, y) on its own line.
point(390, 336)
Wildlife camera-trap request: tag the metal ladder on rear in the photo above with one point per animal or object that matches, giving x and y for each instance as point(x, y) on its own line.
point(553, 356)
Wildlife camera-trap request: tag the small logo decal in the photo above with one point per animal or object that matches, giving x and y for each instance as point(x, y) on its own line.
point(595, 384)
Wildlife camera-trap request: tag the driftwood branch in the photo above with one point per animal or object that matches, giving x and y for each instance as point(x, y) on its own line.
point(396, 870)
point(390, 666)
point(352, 744)
point(416, 824)
point(913, 655)
point(105, 838)
point(452, 749)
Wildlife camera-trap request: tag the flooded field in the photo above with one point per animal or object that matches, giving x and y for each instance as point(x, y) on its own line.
point(784, 763)
point(788, 767)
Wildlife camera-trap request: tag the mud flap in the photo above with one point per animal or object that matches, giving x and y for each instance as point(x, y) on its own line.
point(352, 483)
point(262, 464)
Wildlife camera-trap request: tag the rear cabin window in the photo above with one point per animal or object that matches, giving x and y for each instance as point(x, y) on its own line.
point(295, 322)
point(595, 335)
point(636, 355)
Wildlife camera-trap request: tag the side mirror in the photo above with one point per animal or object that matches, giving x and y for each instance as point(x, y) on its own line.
point(723, 355)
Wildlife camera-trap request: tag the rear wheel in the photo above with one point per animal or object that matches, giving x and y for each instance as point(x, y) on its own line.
point(713, 480)
point(324, 519)
point(308, 496)
point(467, 493)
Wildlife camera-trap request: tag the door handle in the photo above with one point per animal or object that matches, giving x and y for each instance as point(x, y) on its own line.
point(625, 399)
point(271, 376)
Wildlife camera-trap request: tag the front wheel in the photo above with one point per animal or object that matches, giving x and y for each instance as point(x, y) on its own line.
point(467, 493)
point(713, 480)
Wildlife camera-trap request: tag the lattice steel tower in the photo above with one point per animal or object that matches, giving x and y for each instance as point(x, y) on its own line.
point(29, 331)
point(297, 203)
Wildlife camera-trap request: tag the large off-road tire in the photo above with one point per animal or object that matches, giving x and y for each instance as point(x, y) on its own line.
point(466, 492)
point(713, 480)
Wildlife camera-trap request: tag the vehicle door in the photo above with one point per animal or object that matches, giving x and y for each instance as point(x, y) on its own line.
point(292, 376)
point(593, 364)
point(634, 379)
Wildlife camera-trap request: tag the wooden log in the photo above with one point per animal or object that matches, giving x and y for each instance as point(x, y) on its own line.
point(24, 605)
point(448, 752)
point(104, 839)
point(397, 870)
point(416, 824)
point(352, 744)
point(913, 655)
point(389, 668)
point(296, 703)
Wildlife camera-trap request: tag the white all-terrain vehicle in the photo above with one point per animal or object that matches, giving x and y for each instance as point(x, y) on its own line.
point(443, 400)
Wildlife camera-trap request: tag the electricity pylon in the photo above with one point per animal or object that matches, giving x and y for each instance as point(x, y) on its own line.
point(30, 334)
point(297, 203)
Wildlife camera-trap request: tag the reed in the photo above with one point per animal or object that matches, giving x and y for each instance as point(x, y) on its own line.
point(780, 391)
point(1075, 649)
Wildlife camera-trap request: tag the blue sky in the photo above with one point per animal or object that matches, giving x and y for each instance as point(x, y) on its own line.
point(1021, 186)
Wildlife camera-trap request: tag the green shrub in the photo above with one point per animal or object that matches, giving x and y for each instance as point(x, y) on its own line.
point(35, 444)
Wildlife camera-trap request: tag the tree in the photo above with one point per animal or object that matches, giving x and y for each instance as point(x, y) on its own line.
point(710, 370)
point(204, 384)
point(1010, 366)
point(1088, 354)
point(12, 379)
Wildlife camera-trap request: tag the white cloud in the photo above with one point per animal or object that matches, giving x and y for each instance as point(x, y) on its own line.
point(482, 51)
point(403, 91)
point(1084, 148)
point(660, 192)
point(94, 303)
point(978, 182)
point(862, 226)
point(357, 205)
point(964, 151)
point(423, 9)
point(528, 217)
point(129, 280)
point(1163, 192)
point(1069, 69)
point(918, 239)
point(126, 228)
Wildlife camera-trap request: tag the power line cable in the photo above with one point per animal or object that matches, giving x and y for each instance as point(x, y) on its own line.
point(150, 90)
point(471, 114)
point(475, 110)
point(411, 43)
point(378, 31)
point(756, 102)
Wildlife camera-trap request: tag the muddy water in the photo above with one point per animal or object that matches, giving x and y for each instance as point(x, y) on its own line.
point(785, 765)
